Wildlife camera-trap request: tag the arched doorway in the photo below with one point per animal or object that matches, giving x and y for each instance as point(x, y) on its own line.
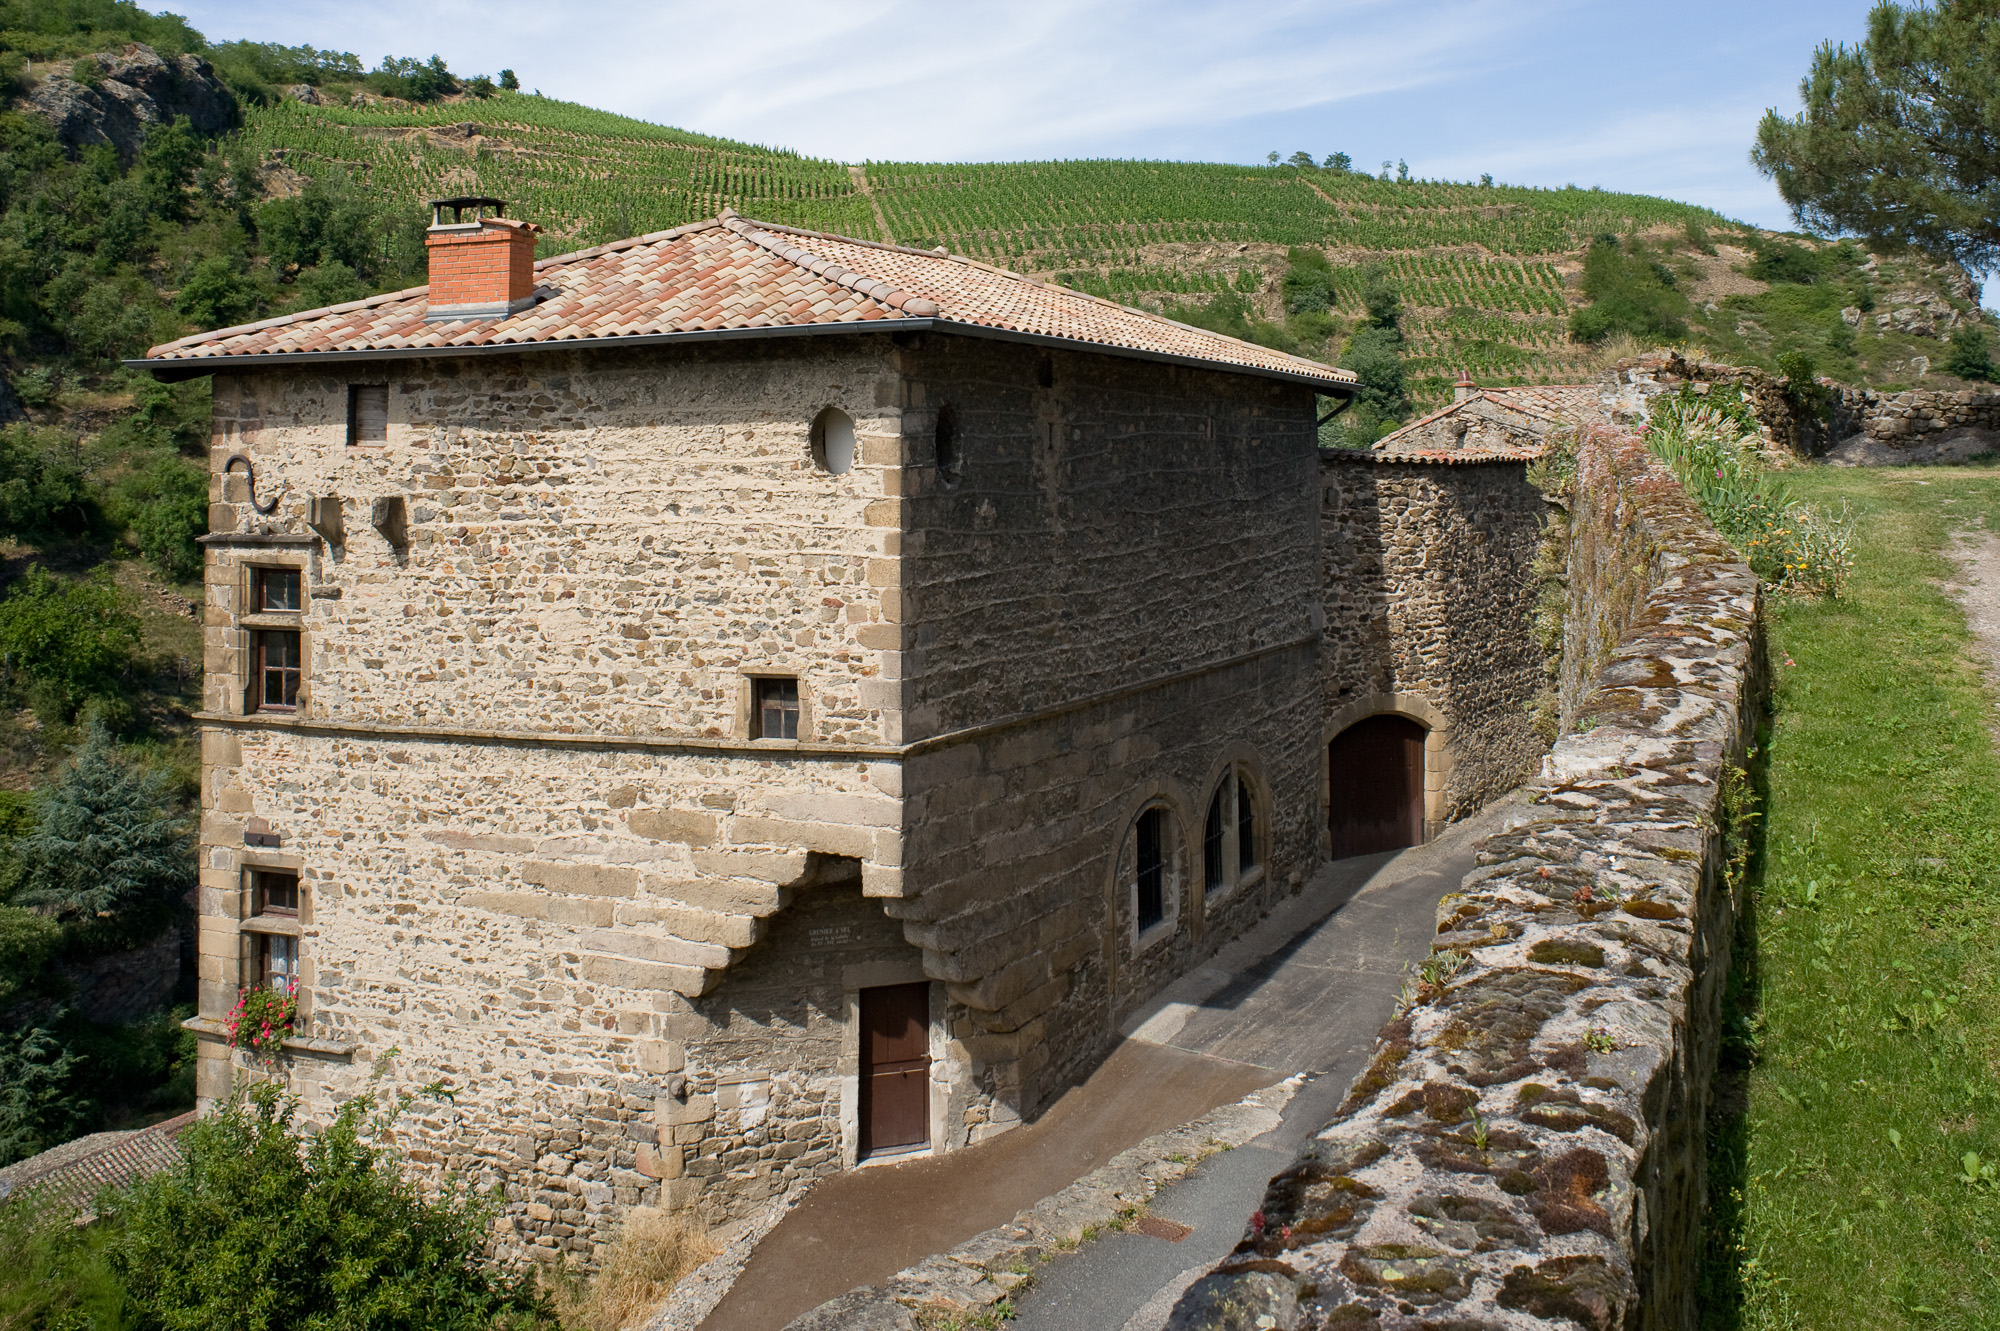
point(1375, 769)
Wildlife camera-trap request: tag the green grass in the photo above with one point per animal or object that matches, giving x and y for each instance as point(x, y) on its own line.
point(1867, 1008)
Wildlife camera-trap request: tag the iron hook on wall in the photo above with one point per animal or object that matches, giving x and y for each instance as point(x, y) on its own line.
point(250, 475)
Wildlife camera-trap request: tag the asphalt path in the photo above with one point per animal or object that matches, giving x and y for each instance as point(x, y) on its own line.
point(1304, 992)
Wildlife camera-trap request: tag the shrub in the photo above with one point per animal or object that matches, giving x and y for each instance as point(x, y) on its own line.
point(72, 640)
point(1782, 261)
point(217, 293)
point(1969, 358)
point(57, 1276)
point(1802, 386)
point(1628, 294)
point(167, 509)
point(43, 490)
point(108, 853)
point(27, 942)
point(263, 1227)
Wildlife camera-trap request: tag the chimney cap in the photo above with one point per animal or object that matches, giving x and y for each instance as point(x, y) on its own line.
point(458, 208)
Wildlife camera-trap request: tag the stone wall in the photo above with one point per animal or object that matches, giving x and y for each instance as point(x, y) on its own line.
point(1907, 419)
point(1428, 599)
point(1526, 1146)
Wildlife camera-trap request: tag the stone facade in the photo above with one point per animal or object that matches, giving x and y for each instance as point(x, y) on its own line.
point(541, 854)
point(1526, 1147)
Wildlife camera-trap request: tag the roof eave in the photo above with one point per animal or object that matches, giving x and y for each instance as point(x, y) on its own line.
point(172, 369)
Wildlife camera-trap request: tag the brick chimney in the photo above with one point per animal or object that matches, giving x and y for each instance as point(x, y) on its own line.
point(1464, 388)
point(482, 268)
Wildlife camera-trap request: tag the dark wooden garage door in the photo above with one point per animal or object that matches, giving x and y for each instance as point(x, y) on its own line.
point(1376, 800)
point(895, 1068)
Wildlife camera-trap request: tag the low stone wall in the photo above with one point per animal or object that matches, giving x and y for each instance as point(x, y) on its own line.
point(1904, 420)
point(1526, 1146)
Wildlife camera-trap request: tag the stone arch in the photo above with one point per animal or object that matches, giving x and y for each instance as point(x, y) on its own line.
point(1437, 750)
point(1118, 946)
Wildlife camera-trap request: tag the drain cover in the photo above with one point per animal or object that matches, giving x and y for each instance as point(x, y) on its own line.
point(1160, 1229)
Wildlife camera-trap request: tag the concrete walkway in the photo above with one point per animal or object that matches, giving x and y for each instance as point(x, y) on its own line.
point(1305, 990)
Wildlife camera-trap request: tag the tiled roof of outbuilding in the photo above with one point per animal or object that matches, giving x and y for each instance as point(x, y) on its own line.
point(1549, 405)
point(733, 274)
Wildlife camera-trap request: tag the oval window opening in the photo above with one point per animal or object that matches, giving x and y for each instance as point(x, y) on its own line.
point(833, 441)
point(949, 460)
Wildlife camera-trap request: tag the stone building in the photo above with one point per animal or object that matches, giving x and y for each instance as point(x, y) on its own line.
point(740, 702)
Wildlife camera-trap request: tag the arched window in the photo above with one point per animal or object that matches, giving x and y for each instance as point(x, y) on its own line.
point(1152, 862)
point(833, 441)
point(1230, 841)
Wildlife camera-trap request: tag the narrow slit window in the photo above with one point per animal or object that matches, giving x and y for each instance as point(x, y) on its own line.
point(276, 893)
point(775, 713)
point(277, 960)
point(275, 669)
point(274, 591)
point(367, 414)
point(1151, 906)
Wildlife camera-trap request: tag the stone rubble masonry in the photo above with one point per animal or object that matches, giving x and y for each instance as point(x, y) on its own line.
point(969, 1280)
point(541, 857)
point(1526, 1147)
point(1426, 596)
point(1906, 419)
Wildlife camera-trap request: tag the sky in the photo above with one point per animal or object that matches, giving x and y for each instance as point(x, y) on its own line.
point(1655, 99)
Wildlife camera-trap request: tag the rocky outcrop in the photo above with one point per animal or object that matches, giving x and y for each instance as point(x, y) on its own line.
point(132, 92)
point(1526, 1147)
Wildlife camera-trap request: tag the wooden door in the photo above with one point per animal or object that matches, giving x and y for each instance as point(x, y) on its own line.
point(895, 1068)
point(1376, 786)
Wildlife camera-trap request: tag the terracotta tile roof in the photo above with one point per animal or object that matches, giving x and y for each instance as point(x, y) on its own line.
point(70, 1176)
point(731, 274)
point(1549, 405)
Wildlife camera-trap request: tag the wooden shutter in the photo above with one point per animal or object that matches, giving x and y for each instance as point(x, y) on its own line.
point(367, 413)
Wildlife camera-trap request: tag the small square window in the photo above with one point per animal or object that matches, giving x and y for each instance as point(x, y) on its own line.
point(367, 414)
point(277, 893)
point(274, 590)
point(275, 670)
point(277, 961)
point(774, 710)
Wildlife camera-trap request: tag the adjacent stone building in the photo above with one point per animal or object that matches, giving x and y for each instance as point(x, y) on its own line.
point(739, 702)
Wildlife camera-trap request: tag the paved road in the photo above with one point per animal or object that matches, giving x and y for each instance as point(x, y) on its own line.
point(1305, 991)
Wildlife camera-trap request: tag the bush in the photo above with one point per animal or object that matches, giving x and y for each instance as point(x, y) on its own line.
point(72, 640)
point(1782, 261)
point(27, 942)
point(217, 293)
point(1628, 294)
point(57, 1276)
point(43, 491)
point(1231, 315)
point(262, 1227)
point(108, 852)
point(168, 508)
point(1969, 358)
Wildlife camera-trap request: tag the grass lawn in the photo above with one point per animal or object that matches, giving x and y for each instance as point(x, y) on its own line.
point(1860, 1104)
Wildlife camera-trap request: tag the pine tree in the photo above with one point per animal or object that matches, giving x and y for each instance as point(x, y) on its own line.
point(108, 850)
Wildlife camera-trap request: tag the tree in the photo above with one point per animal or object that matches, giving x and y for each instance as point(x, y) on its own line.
point(108, 850)
point(71, 639)
point(1375, 354)
point(1272, 157)
point(39, 1103)
point(1898, 137)
point(1300, 159)
point(1338, 162)
point(508, 82)
point(263, 1227)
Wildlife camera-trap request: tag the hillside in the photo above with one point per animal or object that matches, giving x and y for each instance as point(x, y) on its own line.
point(1489, 274)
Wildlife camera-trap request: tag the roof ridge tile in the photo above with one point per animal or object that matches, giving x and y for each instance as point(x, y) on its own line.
point(894, 297)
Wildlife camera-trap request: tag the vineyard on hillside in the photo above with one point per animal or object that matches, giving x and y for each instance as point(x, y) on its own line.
point(1488, 273)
